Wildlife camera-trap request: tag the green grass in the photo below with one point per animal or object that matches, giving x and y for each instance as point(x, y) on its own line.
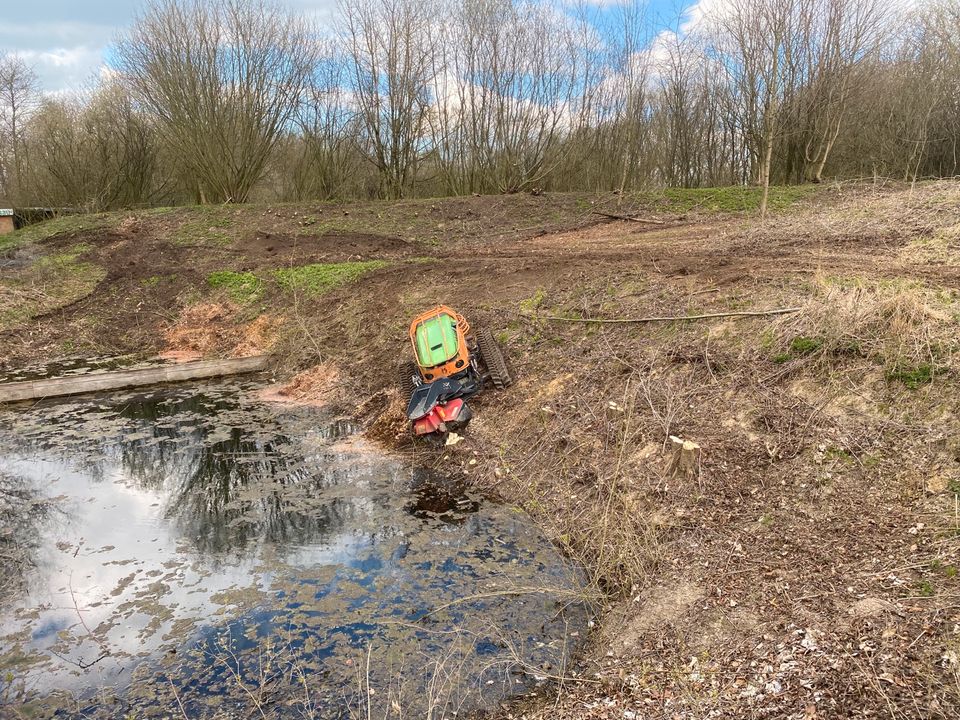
point(534, 302)
point(51, 282)
point(242, 287)
point(912, 376)
point(317, 279)
point(802, 345)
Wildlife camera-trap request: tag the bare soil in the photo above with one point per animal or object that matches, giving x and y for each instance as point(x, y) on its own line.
point(808, 570)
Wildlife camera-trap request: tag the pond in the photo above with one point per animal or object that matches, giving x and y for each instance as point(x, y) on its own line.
point(195, 550)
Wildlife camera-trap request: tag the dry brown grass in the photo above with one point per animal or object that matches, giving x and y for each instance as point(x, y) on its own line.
point(888, 213)
point(898, 325)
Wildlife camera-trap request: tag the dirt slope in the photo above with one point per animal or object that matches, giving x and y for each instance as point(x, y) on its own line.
point(807, 567)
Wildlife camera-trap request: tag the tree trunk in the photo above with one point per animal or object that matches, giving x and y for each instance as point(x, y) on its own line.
point(765, 173)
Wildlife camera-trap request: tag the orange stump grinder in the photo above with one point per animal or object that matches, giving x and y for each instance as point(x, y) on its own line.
point(453, 364)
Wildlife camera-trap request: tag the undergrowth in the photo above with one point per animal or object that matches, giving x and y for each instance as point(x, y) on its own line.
point(51, 282)
point(724, 199)
point(210, 228)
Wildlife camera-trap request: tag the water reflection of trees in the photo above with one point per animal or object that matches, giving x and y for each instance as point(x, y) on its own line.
point(23, 512)
point(232, 474)
point(228, 474)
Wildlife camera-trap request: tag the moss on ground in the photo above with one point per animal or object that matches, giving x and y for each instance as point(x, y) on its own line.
point(318, 278)
point(913, 377)
point(802, 345)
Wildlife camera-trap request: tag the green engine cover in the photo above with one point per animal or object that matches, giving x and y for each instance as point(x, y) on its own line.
point(436, 340)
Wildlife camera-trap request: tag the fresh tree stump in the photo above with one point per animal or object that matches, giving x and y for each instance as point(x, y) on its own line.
point(684, 459)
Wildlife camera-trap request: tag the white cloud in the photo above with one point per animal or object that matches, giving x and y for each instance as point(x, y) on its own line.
point(66, 69)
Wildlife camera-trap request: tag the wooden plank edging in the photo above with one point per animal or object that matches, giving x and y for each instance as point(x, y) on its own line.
point(120, 379)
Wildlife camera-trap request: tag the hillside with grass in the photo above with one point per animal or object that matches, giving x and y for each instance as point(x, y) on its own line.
point(805, 565)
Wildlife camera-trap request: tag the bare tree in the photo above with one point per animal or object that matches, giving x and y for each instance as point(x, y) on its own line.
point(19, 97)
point(228, 100)
point(94, 151)
point(328, 126)
point(756, 44)
point(389, 45)
point(223, 78)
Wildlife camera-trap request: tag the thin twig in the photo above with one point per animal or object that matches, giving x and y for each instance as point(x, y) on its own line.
point(628, 218)
point(183, 711)
point(679, 318)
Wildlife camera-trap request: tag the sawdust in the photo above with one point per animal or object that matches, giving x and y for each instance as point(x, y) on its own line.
point(258, 337)
point(203, 329)
point(317, 386)
point(213, 329)
point(180, 356)
point(390, 425)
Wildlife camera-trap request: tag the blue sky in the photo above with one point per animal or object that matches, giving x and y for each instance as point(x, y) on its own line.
point(66, 39)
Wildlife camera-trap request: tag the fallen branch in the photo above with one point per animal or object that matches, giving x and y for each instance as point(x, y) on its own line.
point(678, 318)
point(628, 218)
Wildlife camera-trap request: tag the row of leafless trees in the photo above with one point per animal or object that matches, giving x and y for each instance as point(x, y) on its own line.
point(228, 100)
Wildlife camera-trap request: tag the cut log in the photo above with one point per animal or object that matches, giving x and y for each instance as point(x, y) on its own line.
point(684, 459)
point(122, 379)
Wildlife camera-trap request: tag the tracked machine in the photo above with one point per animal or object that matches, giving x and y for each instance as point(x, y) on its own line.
point(453, 363)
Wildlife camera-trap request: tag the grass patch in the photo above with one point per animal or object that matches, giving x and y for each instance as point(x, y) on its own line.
point(208, 229)
point(907, 329)
point(736, 199)
point(802, 345)
point(317, 279)
point(534, 302)
point(913, 377)
point(942, 247)
point(66, 225)
point(52, 282)
point(242, 287)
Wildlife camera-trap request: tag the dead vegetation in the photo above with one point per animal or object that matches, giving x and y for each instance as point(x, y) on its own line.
point(902, 326)
point(316, 386)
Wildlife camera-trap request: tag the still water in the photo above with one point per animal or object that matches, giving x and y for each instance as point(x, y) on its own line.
point(197, 551)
